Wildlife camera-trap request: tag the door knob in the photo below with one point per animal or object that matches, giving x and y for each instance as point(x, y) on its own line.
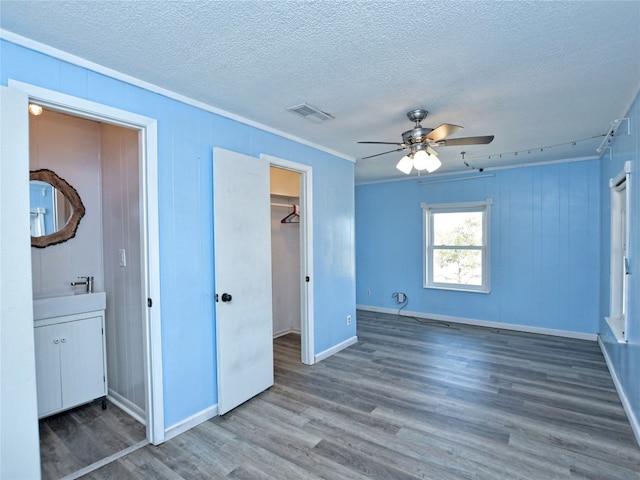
point(226, 297)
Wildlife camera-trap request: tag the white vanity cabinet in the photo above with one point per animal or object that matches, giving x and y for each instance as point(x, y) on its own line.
point(70, 361)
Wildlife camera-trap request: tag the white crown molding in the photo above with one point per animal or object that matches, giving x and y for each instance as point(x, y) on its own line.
point(81, 62)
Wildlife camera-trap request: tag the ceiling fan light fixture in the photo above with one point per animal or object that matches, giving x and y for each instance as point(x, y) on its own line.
point(419, 141)
point(420, 160)
point(433, 163)
point(405, 164)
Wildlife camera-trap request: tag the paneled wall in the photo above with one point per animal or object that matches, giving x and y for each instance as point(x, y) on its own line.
point(69, 146)
point(624, 358)
point(545, 241)
point(123, 280)
point(186, 137)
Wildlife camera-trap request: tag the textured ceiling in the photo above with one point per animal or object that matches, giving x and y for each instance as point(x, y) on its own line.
point(534, 74)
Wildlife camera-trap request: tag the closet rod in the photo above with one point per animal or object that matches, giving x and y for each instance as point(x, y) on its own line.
point(273, 204)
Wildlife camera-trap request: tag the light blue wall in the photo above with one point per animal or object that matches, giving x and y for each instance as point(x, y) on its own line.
point(625, 358)
point(545, 245)
point(186, 137)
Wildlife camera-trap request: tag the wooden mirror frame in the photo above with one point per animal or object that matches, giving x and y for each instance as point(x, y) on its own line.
point(71, 194)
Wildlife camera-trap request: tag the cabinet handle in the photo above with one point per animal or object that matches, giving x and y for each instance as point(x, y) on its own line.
point(64, 340)
point(56, 341)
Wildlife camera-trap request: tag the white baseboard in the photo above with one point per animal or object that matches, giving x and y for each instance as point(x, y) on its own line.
point(128, 406)
point(485, 323)
point(206, 414)
point(190, 422)
point(626, 404)
point(286, 332)
point(335, 349)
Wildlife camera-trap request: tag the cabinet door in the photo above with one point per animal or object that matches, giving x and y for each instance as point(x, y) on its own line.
point(82, 361)
point(47, 343)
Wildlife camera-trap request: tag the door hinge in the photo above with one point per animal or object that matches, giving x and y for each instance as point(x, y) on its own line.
point(149, 302)
point(217, 298)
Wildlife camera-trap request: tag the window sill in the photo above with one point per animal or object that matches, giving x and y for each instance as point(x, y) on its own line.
point(617, 326)
point(458, 289)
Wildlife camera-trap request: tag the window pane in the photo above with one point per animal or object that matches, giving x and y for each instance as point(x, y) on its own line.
point(460, 266)
point(460, 228)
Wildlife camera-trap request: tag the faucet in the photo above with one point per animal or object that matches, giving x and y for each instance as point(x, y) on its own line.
point(88, 281)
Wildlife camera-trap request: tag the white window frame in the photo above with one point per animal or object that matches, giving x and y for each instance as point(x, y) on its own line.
point(428, 210)
point(620, 187)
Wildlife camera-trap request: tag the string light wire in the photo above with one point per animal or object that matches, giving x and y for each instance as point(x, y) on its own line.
point(529, 150)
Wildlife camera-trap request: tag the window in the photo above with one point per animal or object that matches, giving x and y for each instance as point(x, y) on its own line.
point(456, 246)
point(620, 188)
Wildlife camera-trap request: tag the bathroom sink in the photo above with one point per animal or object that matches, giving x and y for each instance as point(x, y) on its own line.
point(68, 305)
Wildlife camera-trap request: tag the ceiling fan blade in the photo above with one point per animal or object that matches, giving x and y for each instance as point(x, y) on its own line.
point(384, 143)
point(453, 142)
point(384, 153)
point(442, 131)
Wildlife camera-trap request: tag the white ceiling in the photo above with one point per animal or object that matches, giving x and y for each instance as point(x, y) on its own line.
point(534, 74)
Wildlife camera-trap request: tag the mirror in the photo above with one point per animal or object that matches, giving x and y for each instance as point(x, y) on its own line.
point(55, 209)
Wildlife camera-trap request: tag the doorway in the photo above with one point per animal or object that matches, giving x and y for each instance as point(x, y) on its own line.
point(145, 130)
point(301, 269)
point(243, 273)
point(285, 251)
point(101, 161)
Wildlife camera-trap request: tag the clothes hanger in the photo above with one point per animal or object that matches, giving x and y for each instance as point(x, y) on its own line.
point(293, 217)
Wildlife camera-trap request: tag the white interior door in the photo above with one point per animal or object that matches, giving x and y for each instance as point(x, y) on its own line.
point(19, 437)
point(242, 252)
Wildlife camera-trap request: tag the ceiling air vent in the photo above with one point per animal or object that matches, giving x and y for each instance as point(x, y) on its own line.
point(310, 113)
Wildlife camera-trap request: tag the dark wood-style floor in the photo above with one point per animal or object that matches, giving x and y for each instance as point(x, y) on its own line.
point(79, 437)
point(410, 401)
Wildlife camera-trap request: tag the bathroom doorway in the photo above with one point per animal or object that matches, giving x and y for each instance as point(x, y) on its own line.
point(101, 162)
point(134, 136)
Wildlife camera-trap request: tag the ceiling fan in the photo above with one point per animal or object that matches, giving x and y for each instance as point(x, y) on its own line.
point(420, 141)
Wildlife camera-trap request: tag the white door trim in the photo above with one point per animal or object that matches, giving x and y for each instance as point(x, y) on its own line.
point(148, 128)
point(306, 253)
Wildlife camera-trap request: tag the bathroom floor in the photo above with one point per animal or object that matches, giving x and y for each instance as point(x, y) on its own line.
point(79, 437)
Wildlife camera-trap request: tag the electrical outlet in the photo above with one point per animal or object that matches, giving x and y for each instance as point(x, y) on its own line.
point(348, 319)
point(368, 292)
point(401, 297)
point(122, 253)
